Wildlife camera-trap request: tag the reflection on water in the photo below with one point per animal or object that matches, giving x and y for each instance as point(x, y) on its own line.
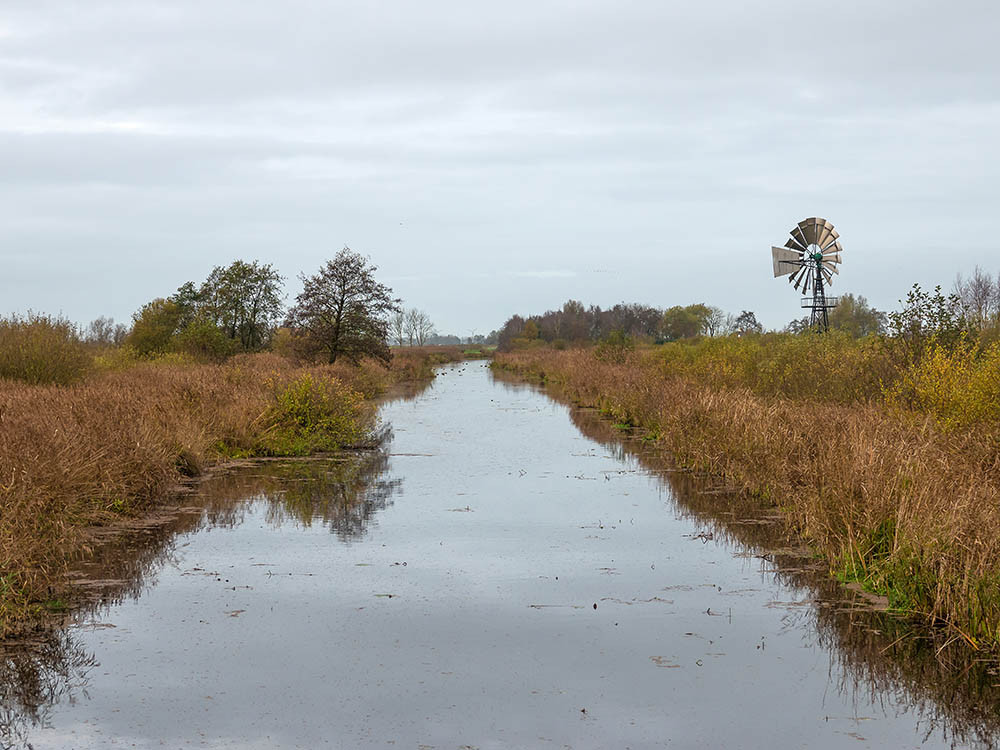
point(50, 667)
point(341, 494)
point(35, 675)
point(503, 550)
point(880, 657)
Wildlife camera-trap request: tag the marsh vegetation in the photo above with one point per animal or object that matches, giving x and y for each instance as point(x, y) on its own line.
point(883, 456)
point(100, 424)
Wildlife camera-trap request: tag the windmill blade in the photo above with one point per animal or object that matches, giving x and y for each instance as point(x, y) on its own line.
point(831, 239)
point(804, 279)
point(835, 258)
point(795, 245)
point(799, 237)
point(818, 226)
point(830, 267)
point(825, 229)
point(833, 247)
point(802, 232)
point(806, 229)
point(828, 276)
point(785, 261)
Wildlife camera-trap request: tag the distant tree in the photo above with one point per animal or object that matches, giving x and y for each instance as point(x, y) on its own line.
point(343, 311)
point(573, 324)
point(979, 297)
point(855, 316)
point(926, 317)
point(244, 300)
point(509, 331)
point(189, 300)
point(445, 340)
point(635, 320)
point(154, 326)
point(398, 324)
point(799, 325)
point(715, 321)
point(418, 327)
point(684, 322)
point(103, 331)
point(746, 322)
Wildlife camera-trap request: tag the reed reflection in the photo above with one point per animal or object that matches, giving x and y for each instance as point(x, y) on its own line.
point(49, 666)
point(876, 656)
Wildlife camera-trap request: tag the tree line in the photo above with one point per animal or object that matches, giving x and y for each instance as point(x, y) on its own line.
point(574, 323)
point(341, 312)
point(973, 307)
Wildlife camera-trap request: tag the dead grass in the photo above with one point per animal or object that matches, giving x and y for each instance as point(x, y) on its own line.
point(905, 503)
point(116, 443)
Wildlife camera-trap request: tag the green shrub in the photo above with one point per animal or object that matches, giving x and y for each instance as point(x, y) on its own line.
point(41, 349)
point(313, 413)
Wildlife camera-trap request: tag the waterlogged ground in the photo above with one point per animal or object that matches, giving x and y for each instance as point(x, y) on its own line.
point(507, 573)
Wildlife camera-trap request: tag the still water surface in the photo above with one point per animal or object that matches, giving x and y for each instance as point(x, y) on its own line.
point(506, 573)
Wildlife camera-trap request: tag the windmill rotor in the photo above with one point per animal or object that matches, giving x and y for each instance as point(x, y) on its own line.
point(810, 259)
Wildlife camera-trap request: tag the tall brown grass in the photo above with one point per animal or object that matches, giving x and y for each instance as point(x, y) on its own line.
point(896, 498)
point(87, 453)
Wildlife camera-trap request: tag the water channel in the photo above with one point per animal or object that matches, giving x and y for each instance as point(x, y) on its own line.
point(507, 572)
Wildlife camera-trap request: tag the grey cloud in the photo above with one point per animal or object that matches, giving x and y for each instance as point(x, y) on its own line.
point(142, 143)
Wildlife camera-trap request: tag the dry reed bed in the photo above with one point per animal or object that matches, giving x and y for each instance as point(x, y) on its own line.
point(890, 497)
point(85, 454)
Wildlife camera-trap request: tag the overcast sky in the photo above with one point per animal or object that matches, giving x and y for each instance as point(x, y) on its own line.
point(494, 158)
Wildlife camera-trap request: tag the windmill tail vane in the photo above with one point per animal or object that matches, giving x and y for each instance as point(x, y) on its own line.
point(809, 259)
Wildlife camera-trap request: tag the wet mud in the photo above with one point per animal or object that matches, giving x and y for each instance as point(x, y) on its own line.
point(506, 571)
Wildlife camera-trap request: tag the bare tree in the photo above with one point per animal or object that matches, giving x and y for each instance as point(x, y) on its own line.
point(398, 323)
point(979, 297)
point(715, 321)
point(425, 329)
point(418, 327)
point(105, 332)
point(343, 311)
point(411, 325)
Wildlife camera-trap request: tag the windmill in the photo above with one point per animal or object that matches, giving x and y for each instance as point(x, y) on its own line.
point(809, 259)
